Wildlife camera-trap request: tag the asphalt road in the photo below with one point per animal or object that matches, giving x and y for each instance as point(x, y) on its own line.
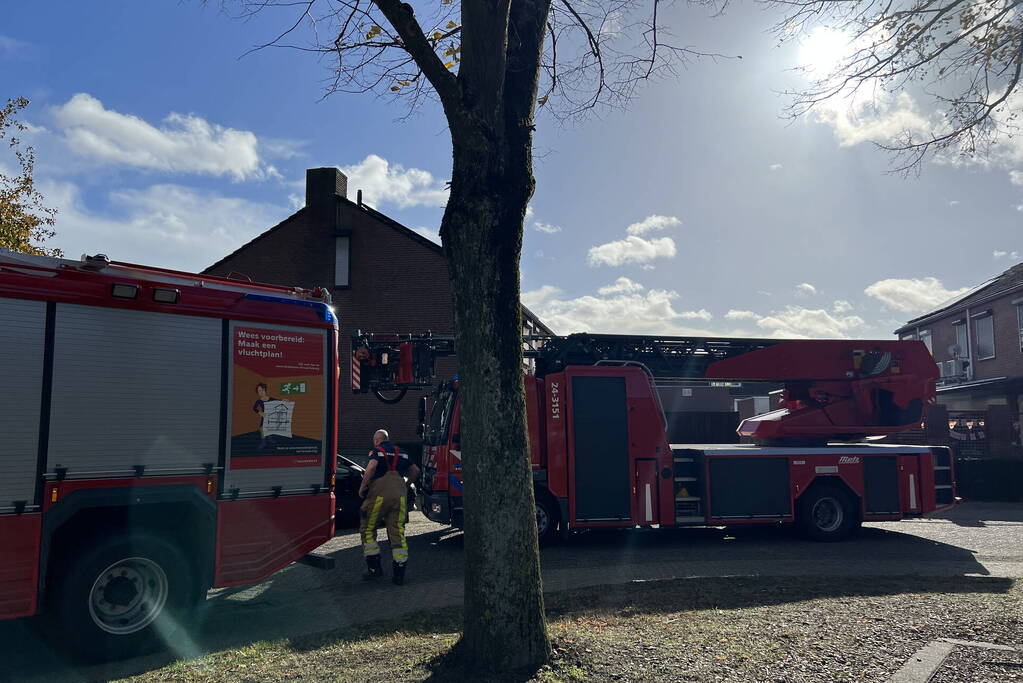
point(975, 539)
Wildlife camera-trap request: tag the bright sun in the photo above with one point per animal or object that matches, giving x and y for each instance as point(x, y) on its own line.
point(822, 51)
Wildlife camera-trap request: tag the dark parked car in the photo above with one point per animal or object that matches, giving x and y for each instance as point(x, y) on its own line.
point(349, 476)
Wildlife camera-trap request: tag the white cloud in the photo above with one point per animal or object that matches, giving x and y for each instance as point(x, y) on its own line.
point(612, 24)
point(805, 289)
point(702, 314)
point(912, 295)
point(12, 47)
point(164, 225)
point(654, 222)
point(185, 143)
point(775, 167)
point(429, 233)
point(382, 183)
point(1014, 255)
point(764, 292)
point(535, 297)
point(649, 312)
point(734, 314)
point(797, 322)
point(540, 255)
point(622, 285)
point(841, 306)
point(872, 117)
point(876, 115)
point(632, 249)
point(546, 227)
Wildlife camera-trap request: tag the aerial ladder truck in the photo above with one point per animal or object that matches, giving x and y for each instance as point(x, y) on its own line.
point(599, 446)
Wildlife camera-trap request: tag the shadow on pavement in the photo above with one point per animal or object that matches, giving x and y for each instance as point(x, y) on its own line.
point(309, 607)
point(980, 514)
point(725, 593)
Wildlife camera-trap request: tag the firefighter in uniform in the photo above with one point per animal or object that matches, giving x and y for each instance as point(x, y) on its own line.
point(385, 489)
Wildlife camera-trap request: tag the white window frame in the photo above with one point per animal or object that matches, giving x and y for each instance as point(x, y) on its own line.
point(1019, 321)
point(978, 322)
point(928, 340)
point(961, 330)
point(342, 261)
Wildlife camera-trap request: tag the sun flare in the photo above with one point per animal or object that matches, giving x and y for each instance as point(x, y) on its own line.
point(823, 50)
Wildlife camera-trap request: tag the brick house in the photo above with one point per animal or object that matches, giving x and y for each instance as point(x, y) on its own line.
point(383, 276)
point(977, 342)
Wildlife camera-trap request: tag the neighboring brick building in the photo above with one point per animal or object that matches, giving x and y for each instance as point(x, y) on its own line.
point(383, 277)
point(977, 342)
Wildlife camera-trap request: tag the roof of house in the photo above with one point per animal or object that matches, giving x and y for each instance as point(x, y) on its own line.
point(386, 220)
point(1004, 283)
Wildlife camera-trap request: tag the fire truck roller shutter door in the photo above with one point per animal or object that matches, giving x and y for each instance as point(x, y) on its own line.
point(21, 366)
point(133, 388)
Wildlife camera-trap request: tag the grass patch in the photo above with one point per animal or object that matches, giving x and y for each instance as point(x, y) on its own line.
point(721, 629)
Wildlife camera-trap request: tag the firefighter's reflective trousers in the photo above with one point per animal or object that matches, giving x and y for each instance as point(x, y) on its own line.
point(386, 500)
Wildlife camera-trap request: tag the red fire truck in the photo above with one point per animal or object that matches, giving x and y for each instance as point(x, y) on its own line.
point(601, 456)
point(163, 433)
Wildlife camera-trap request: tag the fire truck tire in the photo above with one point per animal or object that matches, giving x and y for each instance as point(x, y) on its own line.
point(827, 513)
point(124, 596)
point(547, 517)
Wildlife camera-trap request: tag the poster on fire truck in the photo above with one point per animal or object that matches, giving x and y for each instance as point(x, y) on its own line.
point(278, 398)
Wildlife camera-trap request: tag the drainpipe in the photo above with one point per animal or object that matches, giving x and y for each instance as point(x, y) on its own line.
point(969, 347)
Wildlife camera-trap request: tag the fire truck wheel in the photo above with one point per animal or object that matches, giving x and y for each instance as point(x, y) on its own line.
point(547, 516)
point(124, 596)
point(826, 513)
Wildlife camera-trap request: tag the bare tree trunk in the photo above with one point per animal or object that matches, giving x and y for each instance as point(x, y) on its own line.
point(504, 622)
point(492, 182)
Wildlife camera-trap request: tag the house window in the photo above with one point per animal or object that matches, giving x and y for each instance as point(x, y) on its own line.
point(925, 337)
point(1019, 321)
point(907, 336)
point(985, 327)
point(342, 256)
point(962, 340)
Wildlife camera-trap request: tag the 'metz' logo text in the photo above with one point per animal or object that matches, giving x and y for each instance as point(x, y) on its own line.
point(849, 460)
point(555, 401)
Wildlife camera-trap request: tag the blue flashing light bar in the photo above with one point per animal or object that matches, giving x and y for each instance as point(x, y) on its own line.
point(323, 311)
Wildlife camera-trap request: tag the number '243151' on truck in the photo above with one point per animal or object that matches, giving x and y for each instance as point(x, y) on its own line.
point(163, 433)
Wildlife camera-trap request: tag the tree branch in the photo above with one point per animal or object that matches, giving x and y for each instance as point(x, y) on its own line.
point(414, 40)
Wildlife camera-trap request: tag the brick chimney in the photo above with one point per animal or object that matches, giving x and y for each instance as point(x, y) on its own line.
point(322, 187)
point(321, 184)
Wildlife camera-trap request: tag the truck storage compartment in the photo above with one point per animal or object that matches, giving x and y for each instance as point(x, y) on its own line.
point(881, 485)
point(754, 487)
point(601, 448)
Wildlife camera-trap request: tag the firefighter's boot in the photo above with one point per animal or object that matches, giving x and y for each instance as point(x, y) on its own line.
point(373, 568)
point(397, 573)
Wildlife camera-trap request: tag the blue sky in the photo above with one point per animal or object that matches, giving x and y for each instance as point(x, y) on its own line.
point(699, 209)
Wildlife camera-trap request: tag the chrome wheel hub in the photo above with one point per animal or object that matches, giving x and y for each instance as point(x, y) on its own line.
point(128, 595)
